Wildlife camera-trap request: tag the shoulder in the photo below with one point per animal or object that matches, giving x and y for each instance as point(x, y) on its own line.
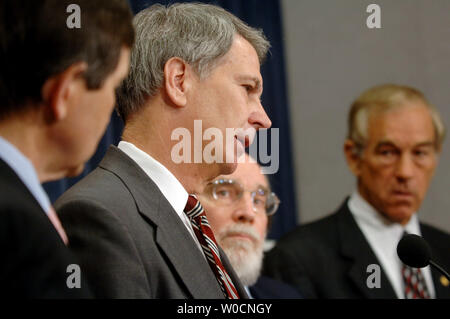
point(267, 287)
point(434, 233)
point(439, 242)
point(323, 230)
point(35, 258)
point(99, 192)
point(19, 211)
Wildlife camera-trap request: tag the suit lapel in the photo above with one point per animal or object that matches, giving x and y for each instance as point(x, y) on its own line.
point(441, 284)
point(356, 249)
point(185, 256)
point(171, 234)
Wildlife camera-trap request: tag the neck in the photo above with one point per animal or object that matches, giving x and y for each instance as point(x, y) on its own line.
point(398, 219)
point(27, 134)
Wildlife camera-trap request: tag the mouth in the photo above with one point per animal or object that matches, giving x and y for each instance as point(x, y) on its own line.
point(245, 136)
point(242, 236)
point(245, 141)
point(402, 194)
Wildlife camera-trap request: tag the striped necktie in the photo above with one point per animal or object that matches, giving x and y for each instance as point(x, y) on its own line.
point(414, 283)
point(205, 236)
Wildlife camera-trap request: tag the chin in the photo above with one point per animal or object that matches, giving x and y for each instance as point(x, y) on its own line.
point(75, 171)
point(228, 168)
point(400, 215)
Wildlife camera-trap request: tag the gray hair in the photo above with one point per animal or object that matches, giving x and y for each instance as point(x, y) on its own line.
point(382, 99)
point(200, 34)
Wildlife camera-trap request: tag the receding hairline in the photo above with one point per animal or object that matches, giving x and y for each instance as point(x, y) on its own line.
point(386, 98)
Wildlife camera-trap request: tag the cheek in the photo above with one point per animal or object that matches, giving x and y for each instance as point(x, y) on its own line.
point(104, 110)
point(231, 103)
point(424, 181)
point(378, 176)
point(107, 104)
point(261, 226)
point(216, 218)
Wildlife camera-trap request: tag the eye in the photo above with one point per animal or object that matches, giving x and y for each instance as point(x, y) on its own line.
point(421, 152)
point(223, 193)
point(260, 198)
point(260, 202)
point(387, 152)
point(248, 88)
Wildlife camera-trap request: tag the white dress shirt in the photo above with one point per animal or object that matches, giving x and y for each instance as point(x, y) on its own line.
point(167, 183)
point(383, 237)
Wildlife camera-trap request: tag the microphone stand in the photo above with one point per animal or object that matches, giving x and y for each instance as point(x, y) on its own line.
point(440, 269)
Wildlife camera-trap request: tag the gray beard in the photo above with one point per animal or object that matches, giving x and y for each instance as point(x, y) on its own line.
point(245, 259)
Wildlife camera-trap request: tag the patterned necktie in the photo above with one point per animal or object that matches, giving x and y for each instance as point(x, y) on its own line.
point(202, 230)
point(415, 286)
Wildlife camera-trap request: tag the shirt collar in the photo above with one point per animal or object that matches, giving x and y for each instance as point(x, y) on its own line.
point(167, 183)
point(23, 167)
point(365, 213)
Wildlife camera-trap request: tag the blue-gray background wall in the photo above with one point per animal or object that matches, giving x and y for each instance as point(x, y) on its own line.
point(331, 57)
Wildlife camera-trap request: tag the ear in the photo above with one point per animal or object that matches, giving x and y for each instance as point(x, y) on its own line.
point(352, 156)
point(58, 91)
point(176, 78)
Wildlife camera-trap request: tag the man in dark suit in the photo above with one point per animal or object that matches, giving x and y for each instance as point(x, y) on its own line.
point(239, 207)
point(195, 69)
point(394, 140)
point(55, 104)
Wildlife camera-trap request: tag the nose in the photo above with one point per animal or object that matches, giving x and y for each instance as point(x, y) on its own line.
point(405, 167)
point(259, 118)
point(243, 212)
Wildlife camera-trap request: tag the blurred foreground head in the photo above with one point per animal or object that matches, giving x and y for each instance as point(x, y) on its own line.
point(58, 78)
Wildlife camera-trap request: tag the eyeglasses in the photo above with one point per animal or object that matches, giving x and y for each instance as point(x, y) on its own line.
point(229, 192)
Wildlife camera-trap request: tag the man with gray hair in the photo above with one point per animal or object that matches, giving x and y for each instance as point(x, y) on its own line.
point(393, 143)
point(138, 232)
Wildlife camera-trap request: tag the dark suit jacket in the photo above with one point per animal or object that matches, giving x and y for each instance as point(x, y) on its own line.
point(329, 258)
point(131, 242)
point(268, 288)
point(34, 257)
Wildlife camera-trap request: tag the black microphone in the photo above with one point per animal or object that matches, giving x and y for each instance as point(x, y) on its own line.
point(415, 252)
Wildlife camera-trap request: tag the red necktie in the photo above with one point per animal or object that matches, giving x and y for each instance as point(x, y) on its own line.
point(415, 286)
point(205, 236)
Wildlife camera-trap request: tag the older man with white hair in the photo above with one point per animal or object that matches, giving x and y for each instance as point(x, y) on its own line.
point(239, 207)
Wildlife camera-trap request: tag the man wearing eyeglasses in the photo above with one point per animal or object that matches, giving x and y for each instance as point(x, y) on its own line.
point(239, 208)
point(393, 145)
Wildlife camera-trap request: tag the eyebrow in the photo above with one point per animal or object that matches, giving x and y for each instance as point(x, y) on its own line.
point(256, 81)
point(264, 188)
point(390, 143)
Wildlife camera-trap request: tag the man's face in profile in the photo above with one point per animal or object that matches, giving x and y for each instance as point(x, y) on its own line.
point(398, 162)
point(229, 97)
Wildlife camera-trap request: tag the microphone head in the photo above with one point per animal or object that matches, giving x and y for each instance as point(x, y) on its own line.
point(414, 251)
